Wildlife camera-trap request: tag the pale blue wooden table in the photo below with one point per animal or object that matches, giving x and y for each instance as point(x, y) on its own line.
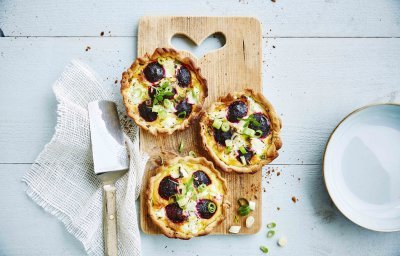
point(322, 59)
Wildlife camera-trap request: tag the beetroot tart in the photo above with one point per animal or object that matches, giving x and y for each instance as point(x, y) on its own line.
point(241, 132)
point(163, 92)
point(187, 197)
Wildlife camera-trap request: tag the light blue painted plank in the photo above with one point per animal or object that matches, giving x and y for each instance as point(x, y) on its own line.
point(284, 18)
point(25, 229)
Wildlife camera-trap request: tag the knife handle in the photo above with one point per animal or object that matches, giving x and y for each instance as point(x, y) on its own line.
point(110, 221)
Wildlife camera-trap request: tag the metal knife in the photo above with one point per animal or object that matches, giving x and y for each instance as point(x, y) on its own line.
point(110, 161)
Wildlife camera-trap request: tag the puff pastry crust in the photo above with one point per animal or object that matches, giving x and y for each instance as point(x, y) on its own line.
point(241, 132)
point(163, 92)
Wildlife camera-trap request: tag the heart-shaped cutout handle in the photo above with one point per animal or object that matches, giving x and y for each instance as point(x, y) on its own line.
point(211, 43)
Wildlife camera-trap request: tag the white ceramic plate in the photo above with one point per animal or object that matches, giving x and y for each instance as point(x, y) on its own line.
point(362, 167)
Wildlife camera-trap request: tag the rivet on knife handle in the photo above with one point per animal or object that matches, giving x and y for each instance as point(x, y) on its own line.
point(110, 221)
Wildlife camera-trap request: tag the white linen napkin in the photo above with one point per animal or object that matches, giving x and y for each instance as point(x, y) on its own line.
point(62, 179)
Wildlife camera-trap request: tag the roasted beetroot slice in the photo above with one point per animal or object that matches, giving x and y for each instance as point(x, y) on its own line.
point(146, 112)
point(264, 126)
point(152, 93)
point(200, 177)
point(220, 136)
point(168, 187)
point(203, 209)
point(183, 76)
point(236, 110)
point(183, 109)
point(175, 213)
point(247, 156)
point(154, 72)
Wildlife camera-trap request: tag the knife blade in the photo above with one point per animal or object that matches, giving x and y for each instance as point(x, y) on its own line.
point(110, 160)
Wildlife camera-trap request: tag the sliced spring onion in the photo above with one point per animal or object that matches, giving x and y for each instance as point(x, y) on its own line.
point(229, 143)
point(192, 154)
point(162, 114)
point(182, 201)
point(225, 127)
point(242, 150)
point(264, 249)
point(161, 60)
point(180, 148)
point(157, 108)
point(211, 207)
point(195, 91)
point(244, 210)
point(234, 229)
point(161, 160)
point(249, 221)
point(249, 132)
point(243, 201)
point(258, 133)
point(202, 187)
point(243, 160)
point(228, 149)
point(271, 225)
point(189, 185)
point(217, 123)
point(168, 89)
point(271, 233)
point(282, 241)
point(168, 103)
point(137, 93)
point(252, 205)
point(182, 114)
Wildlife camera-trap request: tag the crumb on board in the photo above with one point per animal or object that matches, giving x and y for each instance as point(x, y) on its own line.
point(278, 173)
point(278, 208)
point(102, 33)
point(294, 199)
point(88, 48)
point(116, 81)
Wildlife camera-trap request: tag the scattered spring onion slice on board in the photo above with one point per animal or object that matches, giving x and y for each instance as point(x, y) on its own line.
point(244, 210)
point(249, 221)
point(271, 225)
point(252, 205)
point(234, 229)
point(271, 233)
point(180, 148)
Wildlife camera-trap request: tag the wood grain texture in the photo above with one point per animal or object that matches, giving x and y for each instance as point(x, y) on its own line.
point(240, 55)
point(285, 18)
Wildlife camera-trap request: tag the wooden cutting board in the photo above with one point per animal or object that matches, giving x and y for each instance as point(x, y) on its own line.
point(235, 66)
